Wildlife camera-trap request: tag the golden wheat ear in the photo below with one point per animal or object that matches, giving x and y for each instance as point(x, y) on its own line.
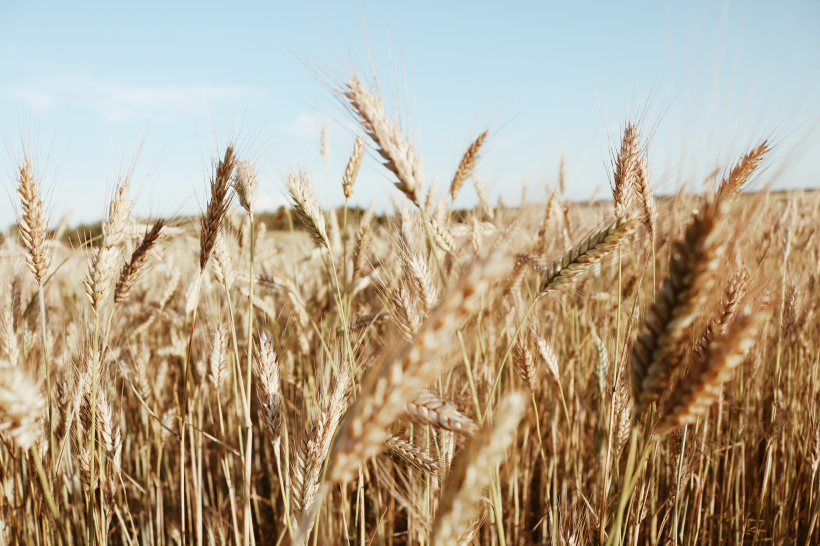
point(32, 222)
point(731, 186)
point(700, 387)
point(132, 268)
point(583, 256)
point(218, 203)
point(657, 351)
point(466, 165)
point(626, 169)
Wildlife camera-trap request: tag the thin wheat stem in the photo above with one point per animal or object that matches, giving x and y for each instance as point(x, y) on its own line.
point(677, 485)
point(93, 432)
point(47, 492)
point(507, 355)
point(48, 384)
point(426, 222)
point(248, 451)
point(468, 370)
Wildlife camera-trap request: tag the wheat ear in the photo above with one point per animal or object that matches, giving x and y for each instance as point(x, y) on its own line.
point(466, 166)
point(217, 206)
point(245, 184)
point(363, 238)
point(400, 450)
point(267, 389)
point(432, 410)
point(699, 388)
point(307, 208)
point(104, 258)
point(32, 223)
point(316, 449)
point(733, 184)
point(583, 256)
point(649, 212)
point(131, 269)
point(657, 350)
point(353, 166)
point(21, 405)
point(397, 152)
point(626, 166)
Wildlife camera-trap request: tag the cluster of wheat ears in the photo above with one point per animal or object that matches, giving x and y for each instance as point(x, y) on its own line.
point(574, 375)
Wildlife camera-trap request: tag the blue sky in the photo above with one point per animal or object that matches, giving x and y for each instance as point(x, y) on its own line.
point(86, 84)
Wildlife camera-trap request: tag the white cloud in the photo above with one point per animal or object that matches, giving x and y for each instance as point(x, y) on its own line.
point(307, 125)
point(116, 101)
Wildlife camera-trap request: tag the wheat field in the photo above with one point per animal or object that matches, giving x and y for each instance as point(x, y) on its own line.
point(634, 370)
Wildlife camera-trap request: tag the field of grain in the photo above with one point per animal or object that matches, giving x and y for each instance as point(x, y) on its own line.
point(635, 370)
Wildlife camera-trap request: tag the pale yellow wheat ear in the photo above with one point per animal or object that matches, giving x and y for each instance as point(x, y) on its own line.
point(8, 335)
point(217, 363)
point(104, 257)
point(32, 222)
point(315, 450)
point(267, 389)
point(460, 502)
point(22, 405)
point(218, 203)
point(403, 451)
point(486, 209)
point(407, 367)
point(466, 166)
point(394, 147)
point(246, 184)
point(307, 208)
point(432, 410)
point(649, 209)
point(353, 166)
point(364, 236)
